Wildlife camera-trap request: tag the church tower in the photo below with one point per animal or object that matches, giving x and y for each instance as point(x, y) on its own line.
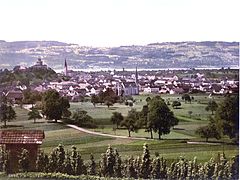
point(136, 76)
point(65, 68)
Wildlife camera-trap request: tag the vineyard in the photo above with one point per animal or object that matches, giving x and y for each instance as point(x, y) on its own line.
point(70, 165)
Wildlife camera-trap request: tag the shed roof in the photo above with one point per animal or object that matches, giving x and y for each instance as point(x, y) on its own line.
point(21, 136)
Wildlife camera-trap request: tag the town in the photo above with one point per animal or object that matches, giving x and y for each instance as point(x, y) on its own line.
point(76, 85)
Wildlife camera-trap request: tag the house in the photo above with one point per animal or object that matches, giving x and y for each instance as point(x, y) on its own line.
point(14, 96)
point(14, 141)
point(163, 91)
point(151, 89)
point(178, 90)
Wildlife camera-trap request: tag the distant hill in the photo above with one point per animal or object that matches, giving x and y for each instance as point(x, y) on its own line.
point(155, 55)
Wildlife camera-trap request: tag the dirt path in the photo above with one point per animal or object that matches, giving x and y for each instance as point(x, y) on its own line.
point(106, 135)
point(198, 142)
point(28, 107)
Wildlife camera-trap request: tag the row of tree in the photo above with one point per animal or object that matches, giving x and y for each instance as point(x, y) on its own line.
point(112, 165)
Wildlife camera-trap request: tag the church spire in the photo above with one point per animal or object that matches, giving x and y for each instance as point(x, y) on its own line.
point(136, 76)
point(65, 68)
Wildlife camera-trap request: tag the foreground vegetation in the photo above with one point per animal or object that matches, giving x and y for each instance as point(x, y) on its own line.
point(181, 141)
point(112, 165)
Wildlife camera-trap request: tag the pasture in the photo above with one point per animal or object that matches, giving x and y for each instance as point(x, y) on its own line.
point(171, 147)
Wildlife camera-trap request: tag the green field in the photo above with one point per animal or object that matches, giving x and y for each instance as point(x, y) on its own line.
point(199, 116)
point(171, 147)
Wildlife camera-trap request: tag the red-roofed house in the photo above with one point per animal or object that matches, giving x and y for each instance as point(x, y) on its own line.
point(15, 140)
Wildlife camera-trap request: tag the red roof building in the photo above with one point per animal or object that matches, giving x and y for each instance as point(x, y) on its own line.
point(14, 141)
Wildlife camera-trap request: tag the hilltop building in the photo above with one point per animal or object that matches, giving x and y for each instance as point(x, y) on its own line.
point(39, 64)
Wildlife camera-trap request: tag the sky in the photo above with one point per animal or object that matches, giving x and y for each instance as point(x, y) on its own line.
point(119, 22)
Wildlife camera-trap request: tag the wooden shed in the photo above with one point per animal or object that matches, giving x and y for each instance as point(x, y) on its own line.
point(15, 140)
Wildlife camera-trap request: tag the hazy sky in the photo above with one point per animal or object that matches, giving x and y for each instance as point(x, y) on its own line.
point(119, 22)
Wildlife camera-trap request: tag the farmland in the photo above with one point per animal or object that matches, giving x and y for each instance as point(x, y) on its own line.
point(171, 147)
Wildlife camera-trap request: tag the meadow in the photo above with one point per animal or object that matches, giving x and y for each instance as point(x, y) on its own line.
point(171, 147)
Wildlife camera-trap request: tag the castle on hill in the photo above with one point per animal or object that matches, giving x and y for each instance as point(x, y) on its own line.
point(39, 64)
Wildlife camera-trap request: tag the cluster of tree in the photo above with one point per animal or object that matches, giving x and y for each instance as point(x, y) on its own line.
point(82, 119)
point(26, 77)
point(225, 120)
point(187, 98)
point(31, 96)
point(107, 97)
point(155, 116)
point(142, 167)
point(55, 107)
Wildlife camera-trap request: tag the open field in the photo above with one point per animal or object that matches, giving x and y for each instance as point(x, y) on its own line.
point(171, 147)
point(188, 123)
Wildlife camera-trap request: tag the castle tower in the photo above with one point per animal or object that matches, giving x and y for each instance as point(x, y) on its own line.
point(65, 68)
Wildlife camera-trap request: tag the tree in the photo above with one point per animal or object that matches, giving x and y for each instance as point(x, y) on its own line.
point(110, 163)
point(148, 99)
point(161, 117)
point(81, 118)
point(131, 121)
point(80, 166)
point(108, 97)
point(41, 163)
point(61, 158)
point(146, 163)
point(24, 161)
point(31, 97)
point(92, 166)
point(65, 106)
point(68, 169)
point(7, 113)
point(212, 106)
point(94, 99)
point(186, 98)
point(118, 165)
point(54, 106)
point(144, 120)
point(190, 113)
point(108, 102)
point(116, 118)
point(53, 159)
point(209, 131)
point(34, 114)
point(227, 115)
point(176, 104)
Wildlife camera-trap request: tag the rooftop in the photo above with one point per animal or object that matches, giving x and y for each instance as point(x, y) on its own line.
point(21, 136)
